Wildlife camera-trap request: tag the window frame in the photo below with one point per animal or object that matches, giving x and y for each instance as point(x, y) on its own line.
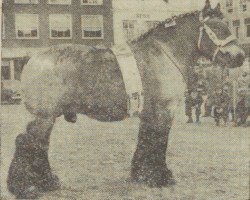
point(51, 3)
point(248, 29)
point(247, 26)
point(37, 2)
point(3, 30)
point(27, 38)
point(229, 6)
point(102, 28)
point(236, 28)
point(92, 4)
point(243, 5)
point(8, 69)
point(60, 38)
point(153, 23)
point(237, 31)
point(134, 29)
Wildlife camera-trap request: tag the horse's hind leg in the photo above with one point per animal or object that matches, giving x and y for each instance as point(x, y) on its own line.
point(149, 161)
point(30, 171)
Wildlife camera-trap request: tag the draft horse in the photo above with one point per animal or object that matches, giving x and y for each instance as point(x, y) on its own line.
point(76, 79)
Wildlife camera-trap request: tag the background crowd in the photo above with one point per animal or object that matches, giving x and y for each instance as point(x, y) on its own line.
point(223, 94)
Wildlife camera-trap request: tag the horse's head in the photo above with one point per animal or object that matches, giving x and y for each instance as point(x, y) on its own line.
point(216, 41)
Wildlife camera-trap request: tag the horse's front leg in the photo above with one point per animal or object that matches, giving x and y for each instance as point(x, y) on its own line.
point(30, 171)
point(149, 161)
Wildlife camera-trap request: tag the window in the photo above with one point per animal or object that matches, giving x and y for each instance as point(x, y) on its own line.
point(243, 5)
point(91, 2)
point(92, 26)
point(3, 26)
point(26, 26)
point(26, 1)
point(248, 30)
point(237, 31)
point(236, 25)
point(229, 6)
point(64, 2)
point(247, 23)
point(5, 70)
point(60, 26)
point(129, 29)
point(152, 24)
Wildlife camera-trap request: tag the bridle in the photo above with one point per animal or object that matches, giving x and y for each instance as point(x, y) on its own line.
point(213, 37)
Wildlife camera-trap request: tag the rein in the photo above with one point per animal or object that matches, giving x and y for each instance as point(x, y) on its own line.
point(213, 37)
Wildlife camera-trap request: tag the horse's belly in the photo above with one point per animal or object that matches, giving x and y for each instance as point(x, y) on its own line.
point(107, 101)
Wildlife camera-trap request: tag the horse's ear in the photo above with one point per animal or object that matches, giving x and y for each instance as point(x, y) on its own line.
point(217, 11)
point(207, 9)
point(207, 5)
point(218, 7)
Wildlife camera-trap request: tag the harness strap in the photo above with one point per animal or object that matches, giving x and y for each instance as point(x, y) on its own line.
point(213, 37)
point(200, 37)
point(131, 77)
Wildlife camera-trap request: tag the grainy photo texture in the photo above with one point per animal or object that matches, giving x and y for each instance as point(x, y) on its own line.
point(125, 99)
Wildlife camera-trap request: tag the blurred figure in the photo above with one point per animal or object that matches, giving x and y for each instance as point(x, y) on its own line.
point(193, 101)
point(244, 80)
point(221, 105)
point(241, 108)
point(208, 105)
point(202, 86)
point(193, 77)
point(228, 89)
point(242, 111)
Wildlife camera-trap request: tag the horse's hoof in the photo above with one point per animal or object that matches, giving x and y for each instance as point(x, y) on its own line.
point(30, 193)
point(190, 121)
point(51, 183)
point(158, 178)
point(161, 182)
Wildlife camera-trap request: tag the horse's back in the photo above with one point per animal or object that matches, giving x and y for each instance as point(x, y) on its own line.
point(64, 74)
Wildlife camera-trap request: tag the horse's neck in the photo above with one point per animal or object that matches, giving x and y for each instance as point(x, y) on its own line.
point(180, 48)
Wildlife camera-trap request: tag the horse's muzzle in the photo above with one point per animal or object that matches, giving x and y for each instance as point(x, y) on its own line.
point(232, 57)
point(239, 60)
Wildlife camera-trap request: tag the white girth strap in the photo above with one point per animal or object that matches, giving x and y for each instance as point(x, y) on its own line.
point(131, 78)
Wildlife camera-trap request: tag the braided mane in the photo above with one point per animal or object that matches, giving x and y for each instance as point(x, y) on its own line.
point(167, 21)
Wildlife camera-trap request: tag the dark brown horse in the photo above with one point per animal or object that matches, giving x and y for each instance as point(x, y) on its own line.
point(71, 79)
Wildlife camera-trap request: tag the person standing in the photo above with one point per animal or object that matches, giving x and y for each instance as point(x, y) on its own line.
point(241, 109)
point(228, 89)
point(221, 105)
point(193, 101)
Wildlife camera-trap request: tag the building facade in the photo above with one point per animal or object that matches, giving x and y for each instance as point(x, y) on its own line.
point(134, 17)
point(31, 25)
point(237, 13)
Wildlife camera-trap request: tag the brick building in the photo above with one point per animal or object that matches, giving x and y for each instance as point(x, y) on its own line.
point(30, 25)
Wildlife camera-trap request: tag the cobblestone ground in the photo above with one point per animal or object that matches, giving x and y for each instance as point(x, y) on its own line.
point(93, 159)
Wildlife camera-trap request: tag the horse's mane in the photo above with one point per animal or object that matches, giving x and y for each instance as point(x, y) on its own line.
point(163, 23)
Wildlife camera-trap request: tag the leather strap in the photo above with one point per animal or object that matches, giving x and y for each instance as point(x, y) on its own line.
point(131, 77)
